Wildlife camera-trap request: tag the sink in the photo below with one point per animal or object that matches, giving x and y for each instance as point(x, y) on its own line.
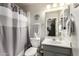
point(52, 41)
point(56, 42)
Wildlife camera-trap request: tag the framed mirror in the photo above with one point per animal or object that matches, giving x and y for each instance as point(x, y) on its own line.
point(52, 23)
point(59, 18)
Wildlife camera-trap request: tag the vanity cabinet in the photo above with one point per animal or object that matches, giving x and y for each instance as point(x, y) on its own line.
point(49, 50)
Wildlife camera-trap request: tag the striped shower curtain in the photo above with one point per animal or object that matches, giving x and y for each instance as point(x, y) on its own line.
point(13, 29)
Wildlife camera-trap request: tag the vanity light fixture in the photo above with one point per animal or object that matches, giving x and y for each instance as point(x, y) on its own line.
point(55, 5)
point(61, 4)
point(48, 6)
point(68, 3)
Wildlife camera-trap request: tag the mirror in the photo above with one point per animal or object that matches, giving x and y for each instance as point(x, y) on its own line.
point(52, 23)
point(56, 21)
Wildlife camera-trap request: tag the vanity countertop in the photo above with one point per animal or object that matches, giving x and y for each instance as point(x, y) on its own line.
point(62, 43)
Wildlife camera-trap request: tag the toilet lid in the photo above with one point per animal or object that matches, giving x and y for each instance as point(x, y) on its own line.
point(31, 51)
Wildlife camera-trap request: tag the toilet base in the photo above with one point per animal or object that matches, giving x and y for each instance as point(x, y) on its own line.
point(32, 51)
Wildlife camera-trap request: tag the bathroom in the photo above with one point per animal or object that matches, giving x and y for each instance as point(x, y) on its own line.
point(39, 29)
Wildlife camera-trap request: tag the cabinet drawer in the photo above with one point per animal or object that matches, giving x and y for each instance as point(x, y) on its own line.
point(47, 53)
point(59, 54)
point(57, 49)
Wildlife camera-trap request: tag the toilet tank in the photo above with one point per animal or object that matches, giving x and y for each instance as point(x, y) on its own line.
point(35, 42)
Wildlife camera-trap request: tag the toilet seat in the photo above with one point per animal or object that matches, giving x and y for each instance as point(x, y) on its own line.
point(31, 51)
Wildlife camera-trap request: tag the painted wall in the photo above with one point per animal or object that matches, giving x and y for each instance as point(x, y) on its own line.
point(75, 37)
point(40, 9)
point(37, 9)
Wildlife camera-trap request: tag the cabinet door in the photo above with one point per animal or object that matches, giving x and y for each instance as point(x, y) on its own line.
point(57, 49)
point(59, 54)
point(46, 53)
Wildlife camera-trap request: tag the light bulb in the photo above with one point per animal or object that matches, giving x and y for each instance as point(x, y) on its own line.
point(55, 5)
point(61, 4)
point(68, 3)
point(48, 6)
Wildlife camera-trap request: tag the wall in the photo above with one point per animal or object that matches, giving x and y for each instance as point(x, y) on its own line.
point(37, 9)
point(75, 37)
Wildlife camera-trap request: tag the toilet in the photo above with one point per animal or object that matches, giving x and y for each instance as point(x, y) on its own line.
point(32, 51)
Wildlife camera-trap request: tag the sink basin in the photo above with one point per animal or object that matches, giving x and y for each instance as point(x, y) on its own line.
point(56, 42)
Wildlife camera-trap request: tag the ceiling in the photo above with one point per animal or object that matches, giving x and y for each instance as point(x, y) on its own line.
point(25, 6)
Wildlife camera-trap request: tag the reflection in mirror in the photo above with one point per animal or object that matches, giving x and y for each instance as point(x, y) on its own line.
point(52, 23)
point(58, 22)
point(51, 27)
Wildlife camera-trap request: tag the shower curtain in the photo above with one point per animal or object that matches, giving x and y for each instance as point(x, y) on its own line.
point(13, 29)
